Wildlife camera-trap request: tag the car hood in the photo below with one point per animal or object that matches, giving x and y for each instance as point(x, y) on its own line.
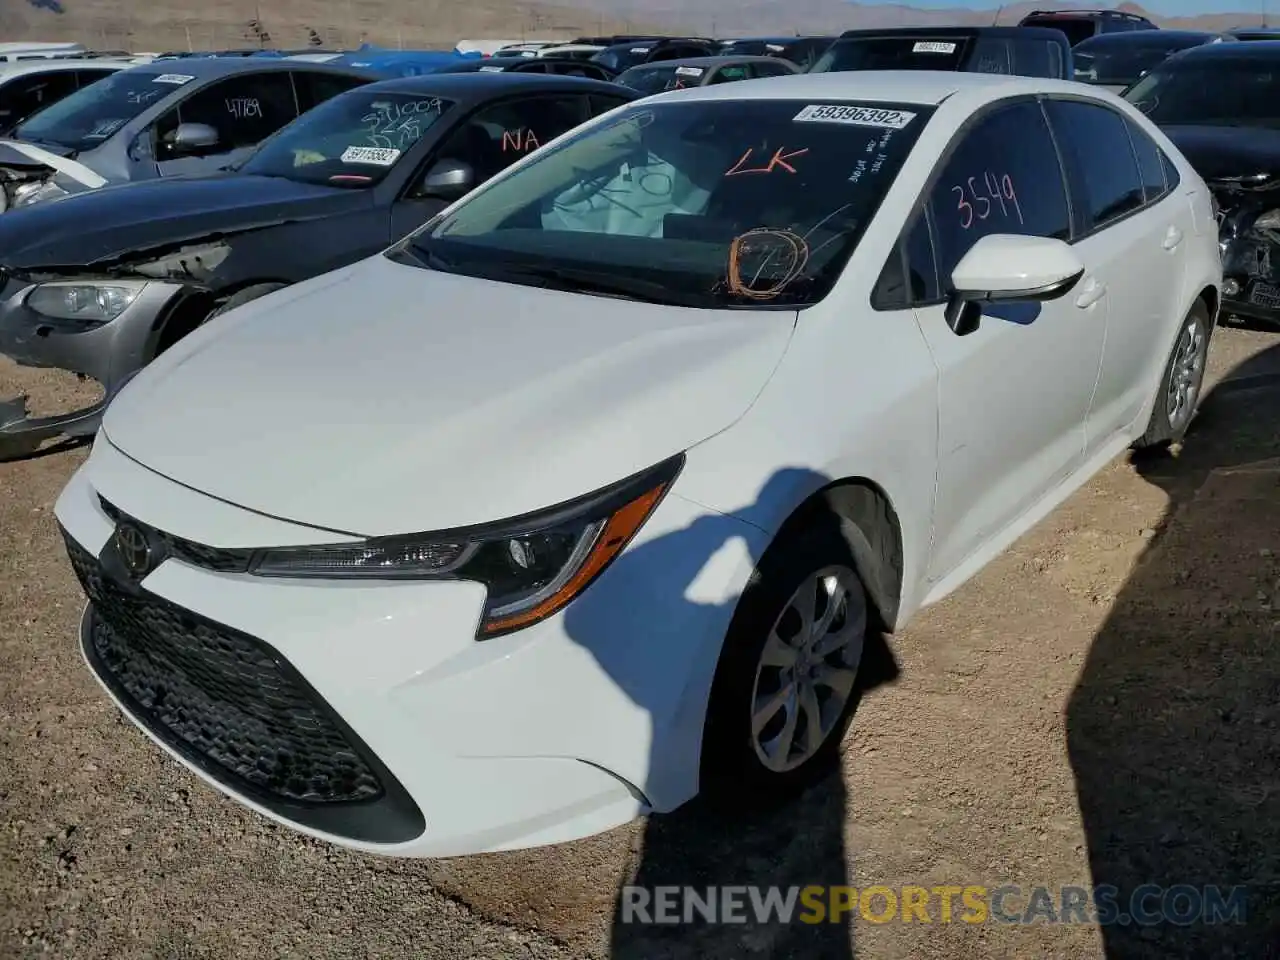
point(1219, 153)
point(104, 225)
point(382, 398)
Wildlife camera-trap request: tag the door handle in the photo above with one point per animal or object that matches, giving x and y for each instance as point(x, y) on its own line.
point(1093, 292)
point(1172, 238)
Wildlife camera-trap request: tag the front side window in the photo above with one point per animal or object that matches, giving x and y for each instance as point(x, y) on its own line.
point(1003, 177)
point(1214, 92)
point(84, 119)
point(701, 203)
point(893, 53)
point(352, 140)
point(495, 137)
point(1101, 165)
point(244, 109)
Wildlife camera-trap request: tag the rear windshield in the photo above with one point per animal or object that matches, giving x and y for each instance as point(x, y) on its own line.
point(1077, 29)
point(893, 53)
point(656, 79)
point(624, 57)
point(1116, 64)
point(1212, 92)
point(697, 203)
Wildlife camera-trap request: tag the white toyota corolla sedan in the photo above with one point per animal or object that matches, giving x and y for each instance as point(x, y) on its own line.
point(583, 498)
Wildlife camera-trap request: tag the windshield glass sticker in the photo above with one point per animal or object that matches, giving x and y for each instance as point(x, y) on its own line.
point(857, 116)
point(378, 156)
point(688, 71)
point(933, 46)
point(178, 78)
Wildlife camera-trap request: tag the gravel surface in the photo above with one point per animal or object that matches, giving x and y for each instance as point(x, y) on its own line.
point(1099, 704)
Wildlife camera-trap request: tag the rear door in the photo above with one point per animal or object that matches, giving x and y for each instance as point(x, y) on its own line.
point(1131, 232)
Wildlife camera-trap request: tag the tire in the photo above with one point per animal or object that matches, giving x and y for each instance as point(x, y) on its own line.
point(1179, 388)
point(241, 297)
point(738, 764)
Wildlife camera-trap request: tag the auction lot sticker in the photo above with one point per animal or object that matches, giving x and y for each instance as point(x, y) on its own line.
point(378, 156)
point(933, 46)
point(857, 116)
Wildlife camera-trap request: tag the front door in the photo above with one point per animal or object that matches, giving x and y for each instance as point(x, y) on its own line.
point(1014, 394)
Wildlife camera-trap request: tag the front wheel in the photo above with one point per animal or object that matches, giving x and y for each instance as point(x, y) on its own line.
point(1179, 390)
point(785, 687)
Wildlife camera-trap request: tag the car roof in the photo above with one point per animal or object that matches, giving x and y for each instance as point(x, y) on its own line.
point(1028, 33)
point(209, 68)
point(922, 87)
point(472, 87)
point(1263, 50)
point(10, 70)
point(707, 62)
point(1147, 38)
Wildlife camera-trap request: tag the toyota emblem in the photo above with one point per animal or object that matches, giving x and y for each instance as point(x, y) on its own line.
point(134, 549)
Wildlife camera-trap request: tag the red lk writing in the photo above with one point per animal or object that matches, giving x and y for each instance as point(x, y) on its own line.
point(779, 161)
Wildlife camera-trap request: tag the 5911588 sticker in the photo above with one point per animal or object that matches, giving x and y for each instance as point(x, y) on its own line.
point(856, 116)
point(378, 156)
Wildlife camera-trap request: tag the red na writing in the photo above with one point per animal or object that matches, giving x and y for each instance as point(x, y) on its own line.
point(520, 140)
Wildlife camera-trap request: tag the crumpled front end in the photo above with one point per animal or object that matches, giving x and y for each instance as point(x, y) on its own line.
point(1248, 212)
point(67, 345)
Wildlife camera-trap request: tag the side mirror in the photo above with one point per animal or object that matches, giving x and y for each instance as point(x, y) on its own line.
point(193, 138)
point(1003, 266)
point(448, 180)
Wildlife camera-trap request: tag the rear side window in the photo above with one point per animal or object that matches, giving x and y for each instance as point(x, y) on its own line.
point(1171, 178)
point(1101, 166)
point(1003, 177)
point(989, 55)
point(315, 88)
point(1037, 58)
point(1150, 163)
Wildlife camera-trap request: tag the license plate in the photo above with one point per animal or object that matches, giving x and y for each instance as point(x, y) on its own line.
point(1265, 295)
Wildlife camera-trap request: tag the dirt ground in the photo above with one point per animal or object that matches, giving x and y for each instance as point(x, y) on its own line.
point(1099, 706)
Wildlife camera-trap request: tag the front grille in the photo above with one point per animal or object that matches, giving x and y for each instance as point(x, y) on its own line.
point(223, 699)
point(220, 559)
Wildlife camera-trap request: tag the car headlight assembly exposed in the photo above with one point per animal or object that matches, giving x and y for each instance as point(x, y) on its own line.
point(30, 193)
point(91, 302)
point(1270, 220)
point(532, 566)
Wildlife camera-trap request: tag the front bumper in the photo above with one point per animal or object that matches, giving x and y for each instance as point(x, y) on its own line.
point(108, 353)
point(559, 731)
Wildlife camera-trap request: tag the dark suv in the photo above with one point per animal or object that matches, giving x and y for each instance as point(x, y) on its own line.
point(1023, 51)
point(1080, 25)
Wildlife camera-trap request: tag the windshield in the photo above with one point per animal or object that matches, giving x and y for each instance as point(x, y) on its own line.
point(696, 203)
point(657, 79)
point(622, 58)
point(1212, 92)
point(892, 53)
point(352, 140)
point(89, 116)
point(1115, 65)
point(1077, 29)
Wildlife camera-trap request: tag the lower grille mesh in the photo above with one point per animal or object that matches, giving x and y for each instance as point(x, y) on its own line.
point(219, 696)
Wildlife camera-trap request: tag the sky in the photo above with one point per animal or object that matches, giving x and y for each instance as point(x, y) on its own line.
point(1168, 8)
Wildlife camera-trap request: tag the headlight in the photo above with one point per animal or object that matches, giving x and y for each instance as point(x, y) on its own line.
point(95, 302)
point(532, 566)
point(1268, 221)
point(30, 193)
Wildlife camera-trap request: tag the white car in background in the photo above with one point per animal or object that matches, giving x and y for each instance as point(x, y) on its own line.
point(583, 498)
point(32, 85)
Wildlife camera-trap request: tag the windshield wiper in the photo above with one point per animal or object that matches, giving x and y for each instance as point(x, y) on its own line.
point(600, 282)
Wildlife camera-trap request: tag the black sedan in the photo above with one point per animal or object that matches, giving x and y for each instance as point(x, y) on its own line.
point(1220, 104)
point(157, 259)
